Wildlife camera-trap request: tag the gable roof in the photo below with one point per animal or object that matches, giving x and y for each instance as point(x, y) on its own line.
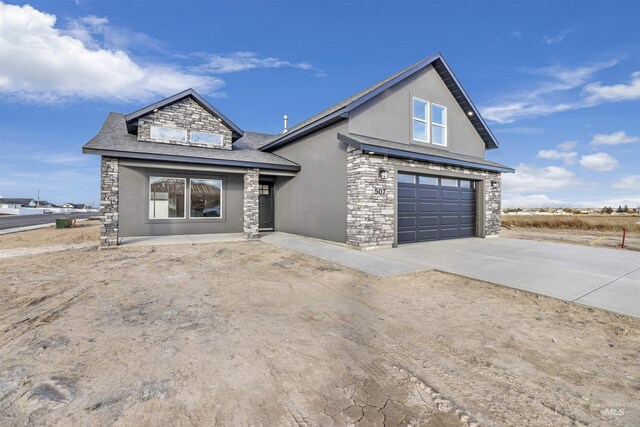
point(16, 200)
point(113, 140)
point(340, 111)
point(132, 118)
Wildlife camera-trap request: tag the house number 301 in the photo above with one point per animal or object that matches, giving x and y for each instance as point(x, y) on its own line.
point(381, 191)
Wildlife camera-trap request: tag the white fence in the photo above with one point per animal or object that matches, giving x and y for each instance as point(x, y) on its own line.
point(40, 211)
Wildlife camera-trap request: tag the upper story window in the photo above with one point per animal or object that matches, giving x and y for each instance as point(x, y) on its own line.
point(429, 122)
point(206, 138)
point(171, 134)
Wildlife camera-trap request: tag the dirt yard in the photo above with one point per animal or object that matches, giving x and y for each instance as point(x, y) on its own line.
point(250, 334)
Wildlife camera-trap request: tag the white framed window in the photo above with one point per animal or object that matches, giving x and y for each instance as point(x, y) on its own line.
point(205, 198)
point(438, 124)
point(206, 138)
point(169, 134)
point(429, 123)
point(166, 197)
point(420, 120)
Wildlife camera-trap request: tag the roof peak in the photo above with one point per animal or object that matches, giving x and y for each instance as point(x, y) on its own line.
point(132, 122)
point(342, 109)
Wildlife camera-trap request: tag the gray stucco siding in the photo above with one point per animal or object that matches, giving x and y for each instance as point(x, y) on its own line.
point(388, 116)
point(314, 202)
point(134, 204)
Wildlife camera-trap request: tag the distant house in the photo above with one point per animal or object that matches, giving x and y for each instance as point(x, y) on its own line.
point(74, 206)
point(17, 203)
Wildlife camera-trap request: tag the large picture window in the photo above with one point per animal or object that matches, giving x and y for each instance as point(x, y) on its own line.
point(166, 197)
point(206, 198)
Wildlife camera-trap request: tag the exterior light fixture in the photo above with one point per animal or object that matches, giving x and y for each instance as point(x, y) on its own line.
point(384, 174)
point(494, 184)
point(470, 113)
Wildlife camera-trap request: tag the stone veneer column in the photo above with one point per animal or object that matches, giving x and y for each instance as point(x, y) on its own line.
point(370, 200)
point(251, 204)
point(109, 202)
point(492, 200)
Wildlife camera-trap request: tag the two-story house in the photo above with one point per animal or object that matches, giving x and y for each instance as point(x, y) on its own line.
point(402, 161)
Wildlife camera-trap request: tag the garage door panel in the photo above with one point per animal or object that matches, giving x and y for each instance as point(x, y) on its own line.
point(407, 193)
point(428, 235)
point(449, 207)
point(450, 195)
point(428, 221)
point(428, 193)
point(467, 231)
point(406, 236)
point(428, 207)
point(409, 221)
point(450, 220)
point(434, 212)
point(449, 233)
point(406, 207)
point(467, 207)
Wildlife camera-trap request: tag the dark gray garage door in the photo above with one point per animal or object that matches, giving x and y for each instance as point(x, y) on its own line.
point(435, 208)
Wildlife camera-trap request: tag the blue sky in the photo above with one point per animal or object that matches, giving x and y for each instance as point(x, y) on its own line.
point(557, 81)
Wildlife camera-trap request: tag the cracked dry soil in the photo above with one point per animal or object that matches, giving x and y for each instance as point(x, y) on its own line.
point(250, 334)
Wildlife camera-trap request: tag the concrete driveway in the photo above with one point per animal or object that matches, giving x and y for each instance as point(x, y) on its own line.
point(598, 277)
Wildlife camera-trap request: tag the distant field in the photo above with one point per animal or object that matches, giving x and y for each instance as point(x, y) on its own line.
point(575, 222)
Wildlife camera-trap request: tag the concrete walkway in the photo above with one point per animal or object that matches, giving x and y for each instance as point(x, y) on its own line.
point(183, 239)
point(598, 277)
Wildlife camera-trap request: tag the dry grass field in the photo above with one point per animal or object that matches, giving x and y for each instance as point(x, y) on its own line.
point(592, 230)
point(575, 222)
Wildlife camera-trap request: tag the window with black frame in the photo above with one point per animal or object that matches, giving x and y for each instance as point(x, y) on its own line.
point(206, 198)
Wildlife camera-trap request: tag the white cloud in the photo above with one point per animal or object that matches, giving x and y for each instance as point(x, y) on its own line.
point(96, 32)
point(242, 61)
point(601, 162)
point(532, 201)
point(567, 145)
point(545, 97)
point(615, 138)
point(43, 63)
point(567, 157)
point(630, 182)
point(596, 92)
point(531, 179)
point(556, 39)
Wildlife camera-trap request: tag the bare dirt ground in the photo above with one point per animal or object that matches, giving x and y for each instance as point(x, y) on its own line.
point(250, 334)
point(85, 231)
point(603, 239)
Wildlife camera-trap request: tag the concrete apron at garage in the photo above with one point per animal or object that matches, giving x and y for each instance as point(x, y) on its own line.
point(597, 277)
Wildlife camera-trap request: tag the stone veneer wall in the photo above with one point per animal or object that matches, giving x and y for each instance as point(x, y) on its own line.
point(371, 216)
point(251, 203)
point(109, 172)
point(186, 114)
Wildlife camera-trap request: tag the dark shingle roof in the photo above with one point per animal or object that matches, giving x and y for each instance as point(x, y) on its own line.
point(341, 109)
point(114, 140)
point(15, 200)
